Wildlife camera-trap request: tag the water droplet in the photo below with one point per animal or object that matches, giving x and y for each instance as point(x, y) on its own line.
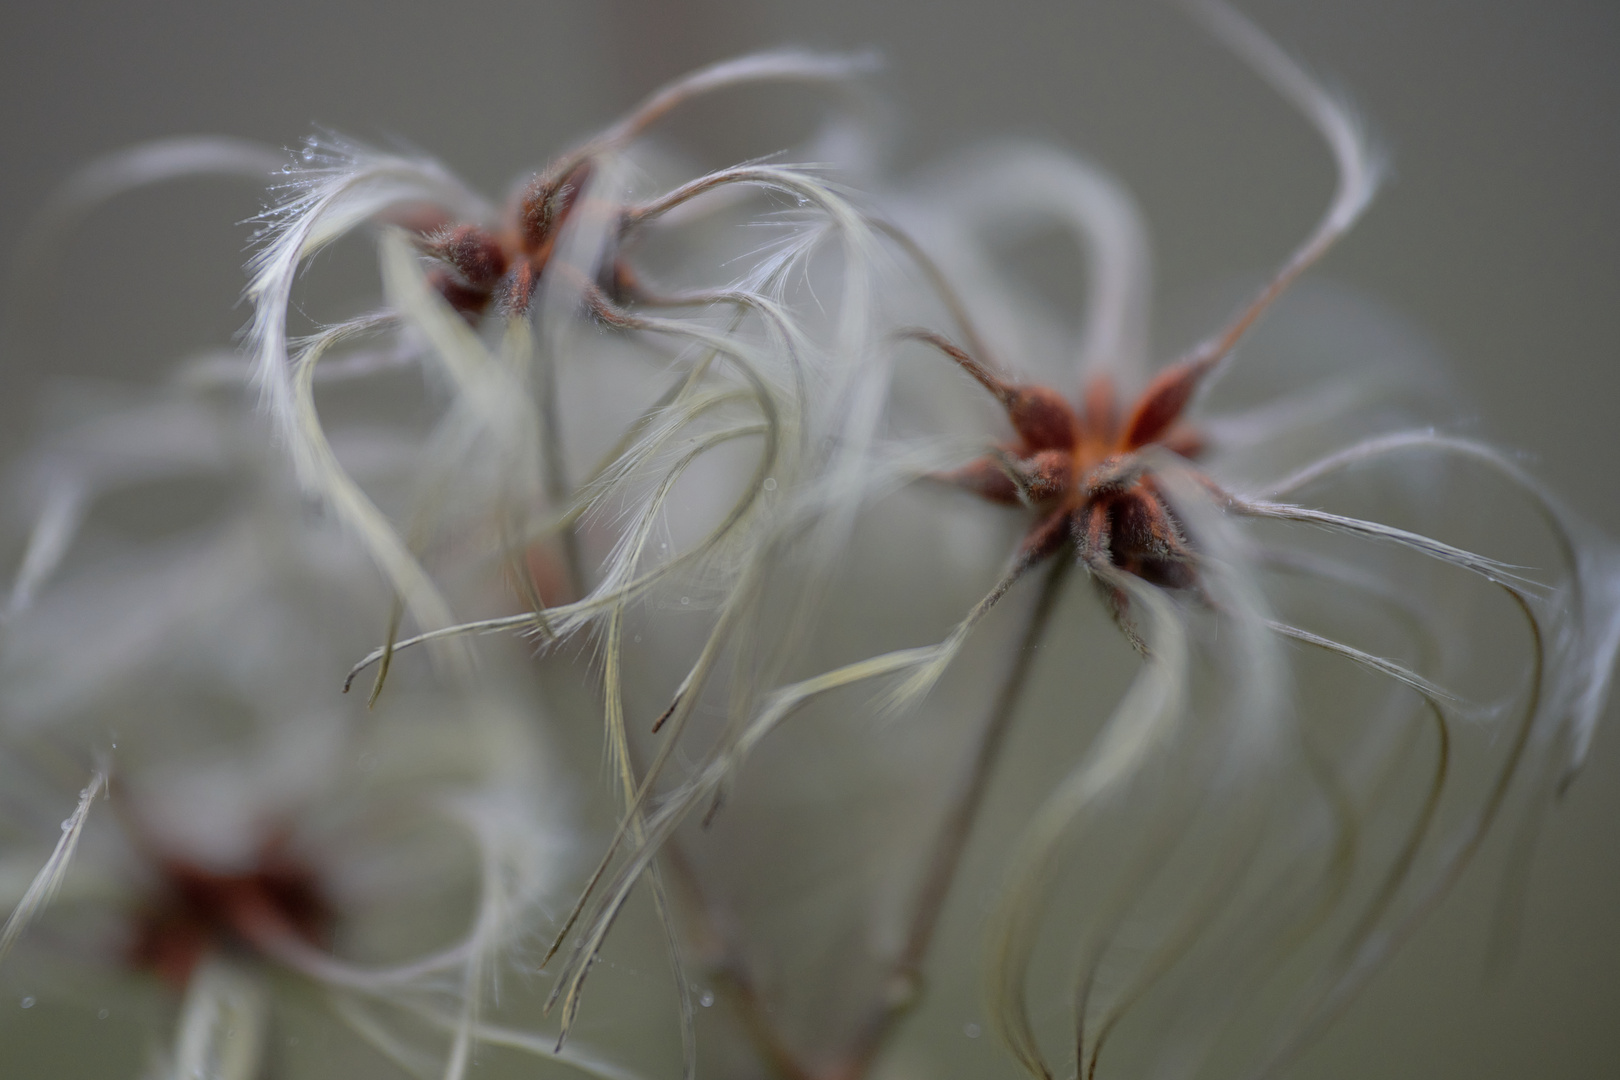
point(971, 1030)
point(686, 599)
point(67, 823)
point(308, 154)
point(28, 1003)
point(102, 1014)
point(770, 483)
point(286, 168)
point(706, 999)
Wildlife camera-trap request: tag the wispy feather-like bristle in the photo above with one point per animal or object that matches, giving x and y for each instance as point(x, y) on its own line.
point(98, 453)
point(1143, 722)
point(222, 1024)
point(1582, 617)
point(1359, 166)
point(349, 188)
point(35, 266)
point(782, 65)
point(1012, 188)
point(49, 879)
point(326, 477)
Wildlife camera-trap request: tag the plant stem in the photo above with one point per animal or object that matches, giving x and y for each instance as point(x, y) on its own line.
point(904, 985)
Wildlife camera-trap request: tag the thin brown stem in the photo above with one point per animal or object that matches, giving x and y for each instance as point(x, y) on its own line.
point(727, 968)
point(724, 961)
point(555, 475)
point(937, 280)
point(903, 987)
point(980, 372)
point(787, 66)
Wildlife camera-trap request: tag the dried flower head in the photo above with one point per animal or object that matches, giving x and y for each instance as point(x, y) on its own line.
point(872, 749)
point(243, 844)
point(552, 267)
point(1251, 829)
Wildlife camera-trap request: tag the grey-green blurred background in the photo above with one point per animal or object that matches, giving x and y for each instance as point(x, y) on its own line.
point(1499, 237)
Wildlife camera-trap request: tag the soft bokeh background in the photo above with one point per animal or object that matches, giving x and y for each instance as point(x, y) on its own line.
point(1499, 238)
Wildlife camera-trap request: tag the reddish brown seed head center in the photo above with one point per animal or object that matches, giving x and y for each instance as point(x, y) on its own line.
point(1073, 454)
point(1080, 469)
point(199, 911)
point(480, 268)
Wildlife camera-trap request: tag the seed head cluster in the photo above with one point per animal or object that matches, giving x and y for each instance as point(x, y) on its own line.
point(694, 610)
